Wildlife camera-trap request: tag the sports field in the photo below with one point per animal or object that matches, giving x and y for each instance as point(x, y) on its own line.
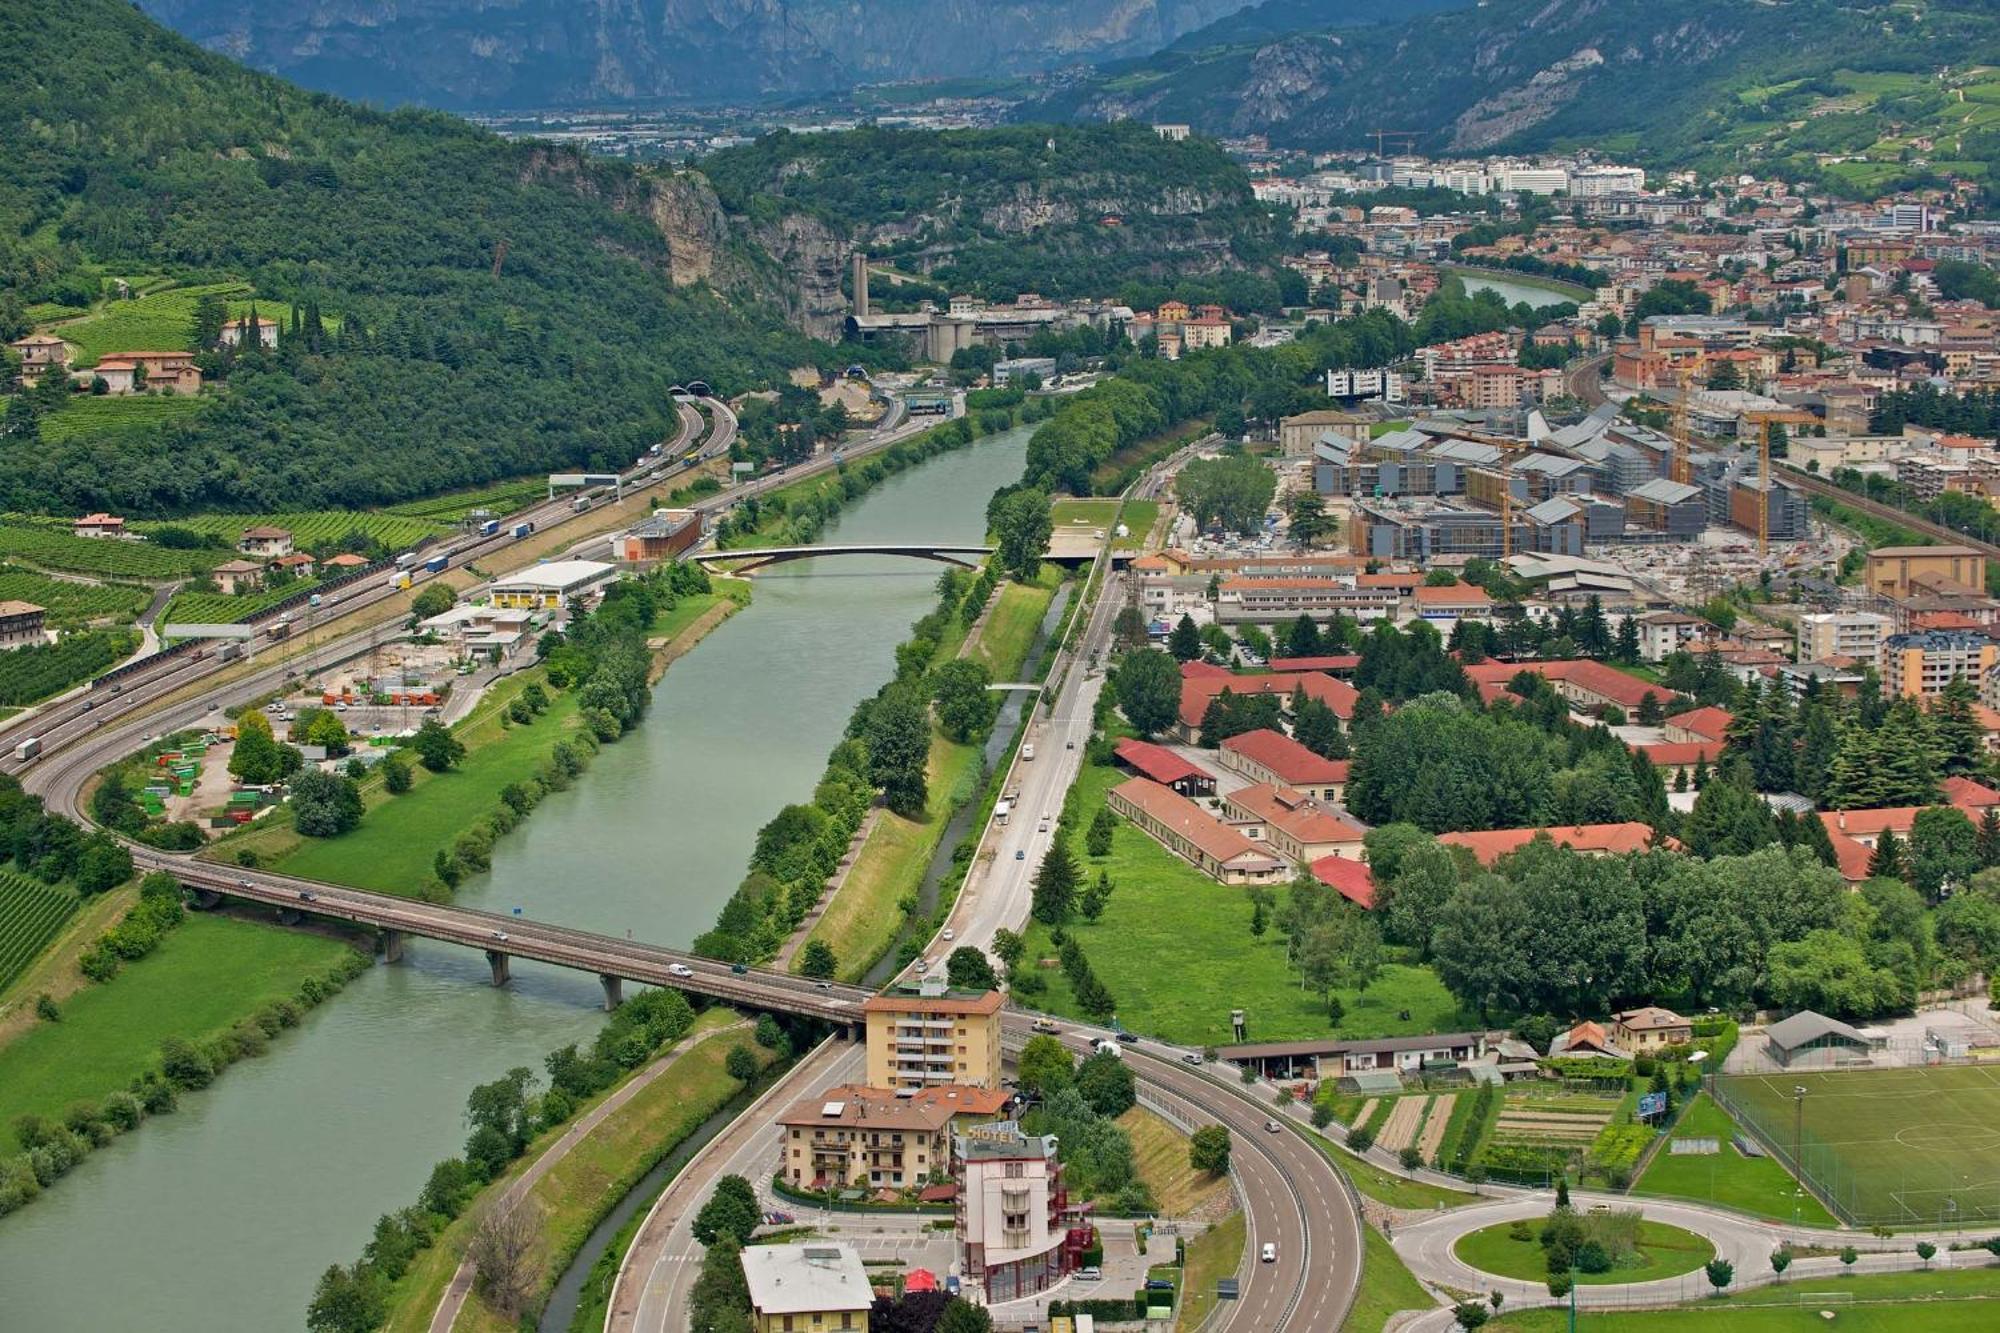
point(1886, 1147)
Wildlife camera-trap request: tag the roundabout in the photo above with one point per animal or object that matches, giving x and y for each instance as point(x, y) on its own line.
point(1513, 1250)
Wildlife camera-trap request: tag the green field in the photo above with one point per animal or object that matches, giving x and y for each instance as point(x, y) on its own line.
point(50, 545)
point(1664, 1251)
point(316, 527)
point(1891, 1147)
point(500, 498)
point(1958, 1301)
point(70, 603)
point(1752, 1184)
point(1071, 513)
point(400, 836)
point(202, 979)
point(1174, 948)
point(31, 914)
point(123, 415)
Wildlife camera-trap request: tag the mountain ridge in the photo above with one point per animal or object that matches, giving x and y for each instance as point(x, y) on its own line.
point(486, 54)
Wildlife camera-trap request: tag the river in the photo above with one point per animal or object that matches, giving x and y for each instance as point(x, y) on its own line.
point(1512, 292)
point(223, 1215)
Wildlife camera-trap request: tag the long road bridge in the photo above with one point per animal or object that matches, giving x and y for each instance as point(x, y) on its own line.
point(503, 938)
point(754, 558)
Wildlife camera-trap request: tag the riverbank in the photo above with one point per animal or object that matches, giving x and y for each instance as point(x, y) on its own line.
point(573, 1177)
point(398, 844)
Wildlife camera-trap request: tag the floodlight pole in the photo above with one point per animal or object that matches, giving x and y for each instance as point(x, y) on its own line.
point(1798, 1135)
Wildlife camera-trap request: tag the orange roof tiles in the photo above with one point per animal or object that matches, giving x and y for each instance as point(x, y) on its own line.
point(1612, 839)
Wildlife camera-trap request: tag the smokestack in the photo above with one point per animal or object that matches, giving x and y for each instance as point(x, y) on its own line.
point(860, 283)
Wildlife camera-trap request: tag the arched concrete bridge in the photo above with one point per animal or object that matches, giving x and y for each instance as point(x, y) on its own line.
point(965, 557)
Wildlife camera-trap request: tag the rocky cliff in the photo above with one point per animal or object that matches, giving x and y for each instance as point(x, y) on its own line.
point(469, 54)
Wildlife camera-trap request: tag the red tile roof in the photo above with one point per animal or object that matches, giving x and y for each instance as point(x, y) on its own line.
point(1200, 670)
point(1456, 594)
point(1626, 691)
point(1293, 811)
point(1673, 754)
point(1969, 795)
point(1325, 662)
point(1335, 694)
point(1157, 762)
point(1490, 846)
point(1853, 857)
point(1709, 723)
point(1350, 879)
point(1294, 764)
point(1174, 811)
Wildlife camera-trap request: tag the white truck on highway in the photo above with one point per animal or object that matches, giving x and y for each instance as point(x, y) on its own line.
point(28, 748)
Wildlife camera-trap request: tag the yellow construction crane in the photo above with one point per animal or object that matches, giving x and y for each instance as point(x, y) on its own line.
point(1764, 490)
point(1683, 465)
point(1409, 138)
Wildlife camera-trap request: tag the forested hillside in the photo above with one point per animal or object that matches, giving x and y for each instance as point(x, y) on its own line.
point(1667, 82)
point(1061, 210)
point(486, 309)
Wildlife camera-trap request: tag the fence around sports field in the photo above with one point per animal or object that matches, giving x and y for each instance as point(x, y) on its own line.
point(1859, 1161)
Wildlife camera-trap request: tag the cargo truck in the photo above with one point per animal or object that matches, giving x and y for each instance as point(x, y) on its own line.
point(489, 527)
point(28, 748)
point(406, 559)
point(523, 529)
point(437, 563)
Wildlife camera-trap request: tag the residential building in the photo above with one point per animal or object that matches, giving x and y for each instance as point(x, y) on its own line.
point(266, 328)
point(298, 564)
point(1294, 825)
point(1649, 1028)
point(1855, 634)
point(39, 352)
point(99, 525)
point(1190, 832)
point(1897, 571)
point(1588, 1040)
point(148, 372)
point(21, 625)
point(1920, 665)
point(1017, 1232)
point(1703, 726)
point(265, 541)
point(1266, 756)
point(818, 1287)
point(1204, 331)
point(546, 586)
point(1666, 632)
point(1298, 434)
point(880, 1138)
point(933, 1036)
point(238, 576)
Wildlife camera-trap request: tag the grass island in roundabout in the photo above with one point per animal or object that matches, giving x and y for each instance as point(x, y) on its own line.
point(1629, 1248)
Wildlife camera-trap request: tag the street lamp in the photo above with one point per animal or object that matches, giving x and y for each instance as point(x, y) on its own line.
point(1798, 1136)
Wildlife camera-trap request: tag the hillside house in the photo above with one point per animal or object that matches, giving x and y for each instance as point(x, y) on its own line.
point(39, 352)
point(149, 372)
point(266, 331)
point(265, 541)
point(99, 525)
point(21, 625)
point(235, 577)
point(1649, 1028)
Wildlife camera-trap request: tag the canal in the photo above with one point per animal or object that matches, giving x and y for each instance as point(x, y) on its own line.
point(223, 1215)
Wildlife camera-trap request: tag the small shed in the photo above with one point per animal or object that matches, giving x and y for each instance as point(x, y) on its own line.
point(1808, 1039)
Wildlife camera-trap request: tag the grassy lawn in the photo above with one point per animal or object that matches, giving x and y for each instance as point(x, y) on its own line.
point(1215, 1253)
point(1664, 1251)
point(202, 979)
point(1387, 1187)
point(1161, 1152)
point(1956, 1301)
point(1386, 1286)
point(596, 1173)
point(1071, 513)
point(400, 836)
point(1140, 453)
point(1175, 950)
point(1754, 1184)
point(863, 917)
point(162, 322)
point(1010, 625)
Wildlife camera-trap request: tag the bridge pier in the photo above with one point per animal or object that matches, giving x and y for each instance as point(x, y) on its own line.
point(203, 899)
point(392, 946)
point(498, 962)
point(290, 916)
point(614, 990)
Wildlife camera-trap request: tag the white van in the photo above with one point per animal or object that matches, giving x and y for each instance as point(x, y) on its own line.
point(1270, 1253)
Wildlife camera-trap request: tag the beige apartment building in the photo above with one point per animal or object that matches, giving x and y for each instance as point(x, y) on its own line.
point(934, 1037)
